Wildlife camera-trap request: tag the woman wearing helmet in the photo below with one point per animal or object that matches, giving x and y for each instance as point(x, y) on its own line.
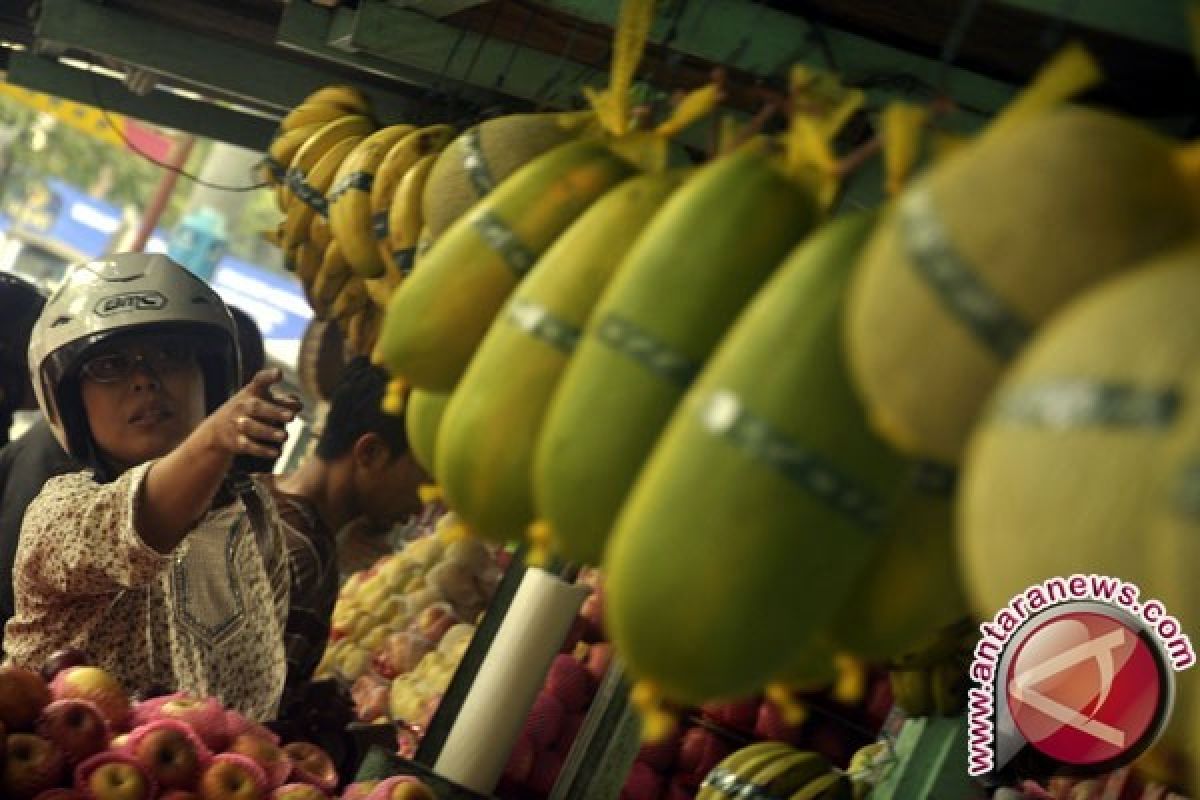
point(143, 561)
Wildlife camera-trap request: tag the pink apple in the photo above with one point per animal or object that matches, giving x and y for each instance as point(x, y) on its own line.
point(23, 695)
point(599, 657)
point(114, 776)
point(370, 695)
point(231, 776)
point(170, 751)
point(268, 755)
point(311, 764)
point(433, 621)
point(400, 653)
point(592, 612)
point(359, 790)
point(77, 726)
point(31, 765)
point(298, 791)
point(236, 724)
point(93, 683)
point(401, 787)
point(205, 716)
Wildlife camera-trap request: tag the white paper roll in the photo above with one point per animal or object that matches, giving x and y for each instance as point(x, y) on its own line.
point(514, 669)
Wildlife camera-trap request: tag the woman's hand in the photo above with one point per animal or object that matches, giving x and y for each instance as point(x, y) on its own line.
point(253, 422)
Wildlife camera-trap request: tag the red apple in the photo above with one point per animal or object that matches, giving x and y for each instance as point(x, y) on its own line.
point(569, 681)
point(699, 751)
point(77, 726)
point(739, 715)
point(544, 721)
point(571, 726)
point(770, 724)
point(661, 755)
point(114, 776)
point(311, 764)
point(179, 794)
point(32, 764)
point(60, 660)
point(93, 683)
point(23, 695)
point(643, 783)
point(678, 791)
point(236, 724)
point(170, 752)
point(231, 776)
point(545, 772)
point(62, 794)
point(268, 755)
point(205, 716)
point(520, 762)
point(298, 791)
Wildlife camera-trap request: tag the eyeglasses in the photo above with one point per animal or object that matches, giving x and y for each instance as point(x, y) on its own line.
point(120, 364)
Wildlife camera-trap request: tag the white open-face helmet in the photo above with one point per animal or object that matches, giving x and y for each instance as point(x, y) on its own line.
point(125, 295)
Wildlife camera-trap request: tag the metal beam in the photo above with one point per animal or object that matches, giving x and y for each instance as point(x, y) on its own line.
point(440, 8)
point(766, 42)
point(47, 75)
point(219, 67)
point(1162, 23)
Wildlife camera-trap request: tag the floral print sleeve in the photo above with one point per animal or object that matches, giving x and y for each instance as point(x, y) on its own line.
point(79, 538)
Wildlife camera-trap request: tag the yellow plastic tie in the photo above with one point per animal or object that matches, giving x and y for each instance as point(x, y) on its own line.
point(1071, 71)
point(695, 105)
point(657, 721)
point(580, 653)
point(430, 493)
point(851, 684)
point(793, 712)
point(394, 397)
point(540, 537)
point(902, 123)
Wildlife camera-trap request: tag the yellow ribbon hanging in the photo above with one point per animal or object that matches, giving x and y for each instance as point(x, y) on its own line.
point(1071, 71)
point(902, 123)
point(629, 42)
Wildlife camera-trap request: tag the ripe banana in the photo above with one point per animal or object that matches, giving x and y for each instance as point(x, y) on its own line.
point(308, 262)
point(701, 258)
point(486, 469)
point(308, 189)
point(273, 169)
point(398, 162)
point(318, 230)
point(350, 199)
point(380, 289)
point(317, 145)
point(334, 273)
point(403, 220)
point(361, 328)
point(422, 421)
point(352, 299)
point(349, 98)
point(771, 443)
point(310, 113)
point(440, 313)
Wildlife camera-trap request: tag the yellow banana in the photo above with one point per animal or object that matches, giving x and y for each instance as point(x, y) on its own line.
point(309, 188)
point(317, 145)
point(334, 273)
point(307, 258)
point(404, 223)
point(381, 288)
point(350, 200)
point(725, 779)
point(351, 299)
point(342, 96)
point(310, 113)
point(273, 169)
point(830, 786)
point(318, 230)
point(398, 162)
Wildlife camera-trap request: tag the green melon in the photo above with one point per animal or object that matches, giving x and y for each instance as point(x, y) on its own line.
point(982, 249)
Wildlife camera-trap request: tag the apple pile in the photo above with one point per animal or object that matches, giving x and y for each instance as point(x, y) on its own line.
point(71, 732)
point(401, 627)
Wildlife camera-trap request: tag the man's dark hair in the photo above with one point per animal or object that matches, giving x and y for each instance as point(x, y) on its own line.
point(355, 409)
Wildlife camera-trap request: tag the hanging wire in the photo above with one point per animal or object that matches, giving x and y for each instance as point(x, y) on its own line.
point(437, 89)
point(484, 39)
point(518, 45)
point(671, 58)
point(112, 123)
point(953, 43)
point(740, 49)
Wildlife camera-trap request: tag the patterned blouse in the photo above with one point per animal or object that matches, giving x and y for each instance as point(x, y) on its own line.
point(207, 618)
